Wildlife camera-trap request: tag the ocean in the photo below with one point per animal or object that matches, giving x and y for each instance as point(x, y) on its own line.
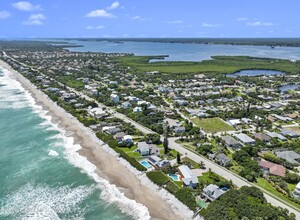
point(184, 51)
point(41, 174)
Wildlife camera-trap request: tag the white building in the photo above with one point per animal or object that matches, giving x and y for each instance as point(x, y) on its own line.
point(115, 98)
point(189, 179)
point(296, 192)
point(97, 112)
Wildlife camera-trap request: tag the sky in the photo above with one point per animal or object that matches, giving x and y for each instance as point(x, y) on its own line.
point(149, 18)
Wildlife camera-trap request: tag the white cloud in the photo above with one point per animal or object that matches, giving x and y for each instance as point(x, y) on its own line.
point(99, 13)
point(242, 19)
point(26, 6)
point(4, 14)
point(35, 19)
point(113, 6)
point(95, 27)
point(136, 17)
point(210, 25)
point(259, 23)
point(175, 22)
point(139, 18)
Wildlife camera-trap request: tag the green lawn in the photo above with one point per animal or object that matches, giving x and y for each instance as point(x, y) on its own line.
point(172, 154)
point(130, 151)
point(193, 163)
point(212, 125)
point(127, 149)
point(267, 186)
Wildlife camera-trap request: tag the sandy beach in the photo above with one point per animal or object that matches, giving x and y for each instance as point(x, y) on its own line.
point(134, 184)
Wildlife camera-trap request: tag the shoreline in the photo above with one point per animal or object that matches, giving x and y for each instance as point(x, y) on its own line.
point(114, 170)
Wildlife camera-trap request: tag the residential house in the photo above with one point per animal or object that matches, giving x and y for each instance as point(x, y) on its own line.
point(245, 139)
point(289, 133)
point(137, 109)
point(126, 105)
point(290, 156)
point(272, 168)
point(179, 130)
point(97, 112)
point(158, 163)
point(52, 90)
point(172, 123)
point(127, 139)
point(231, 142)
point(296, 192)
point(276, 135)
point(262, 137)
point(111, 130)
point(115, 98)
point(234, 122)
point(144, 149)
point(220, 158)
point(212, 192)
point(119, 136)
point(188, 178)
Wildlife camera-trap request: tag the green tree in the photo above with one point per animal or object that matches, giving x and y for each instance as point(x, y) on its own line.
point(178, 158)
point(166, 145)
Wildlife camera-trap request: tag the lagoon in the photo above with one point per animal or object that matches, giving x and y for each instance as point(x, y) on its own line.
point(256, 73)
point(186, 51)
point(288, 87)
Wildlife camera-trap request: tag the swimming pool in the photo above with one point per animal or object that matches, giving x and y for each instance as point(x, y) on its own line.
point(174, 177)
point(146, 164)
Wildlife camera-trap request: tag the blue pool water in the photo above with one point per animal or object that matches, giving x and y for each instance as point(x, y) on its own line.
point(174, 177)
point(146, 164)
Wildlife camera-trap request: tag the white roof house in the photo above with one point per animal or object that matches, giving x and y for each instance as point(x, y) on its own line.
point(296, 192)
point(189, 179)
point(212, 192)
point(115, 97)
point(245, 138)
point(97, 112)
point(137, 109)
point(234, 122)
point(127, 138)
point(276, 135)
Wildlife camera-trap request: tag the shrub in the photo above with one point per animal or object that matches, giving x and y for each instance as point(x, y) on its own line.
point(186, 197)
point(157, 177)
point(131, 160)
point(172, 187)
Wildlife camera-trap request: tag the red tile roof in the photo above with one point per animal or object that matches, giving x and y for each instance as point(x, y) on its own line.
point(274, 169)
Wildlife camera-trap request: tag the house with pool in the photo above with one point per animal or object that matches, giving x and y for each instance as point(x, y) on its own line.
point(188, 178)
point(159, 163)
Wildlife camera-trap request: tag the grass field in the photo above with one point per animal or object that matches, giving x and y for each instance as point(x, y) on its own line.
point(267, 186)
point(219, 64)
point(131, 151)
point(212, 125)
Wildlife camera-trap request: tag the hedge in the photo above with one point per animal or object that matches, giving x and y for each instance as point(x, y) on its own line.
point(172, 187)
point(157, 177)
point(186, 197)
point(131, 160)
point(112, 143)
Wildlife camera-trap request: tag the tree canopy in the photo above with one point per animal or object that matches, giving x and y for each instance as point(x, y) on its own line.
point(246, 203)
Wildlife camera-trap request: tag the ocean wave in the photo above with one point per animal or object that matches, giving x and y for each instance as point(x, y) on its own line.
point(12, 94)
point(43, 202)
point(110, 193)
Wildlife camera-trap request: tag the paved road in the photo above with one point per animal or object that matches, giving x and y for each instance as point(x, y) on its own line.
point(238, 181)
